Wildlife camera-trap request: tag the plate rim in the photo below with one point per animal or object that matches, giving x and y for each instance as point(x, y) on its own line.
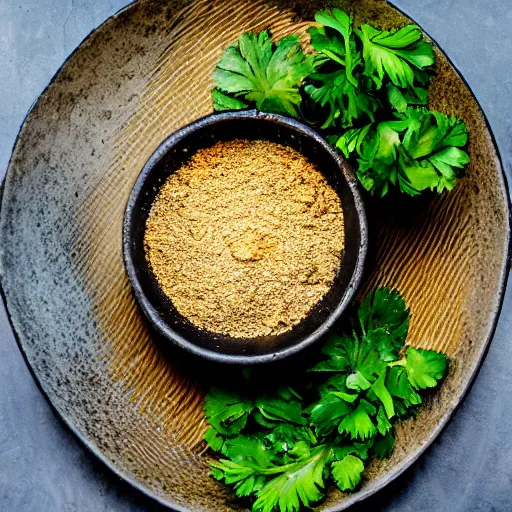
point(393, 473)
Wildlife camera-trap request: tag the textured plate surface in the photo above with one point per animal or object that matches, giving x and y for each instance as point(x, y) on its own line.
point(141, 76)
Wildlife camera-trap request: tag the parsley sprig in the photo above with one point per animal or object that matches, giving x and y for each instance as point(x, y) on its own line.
point(419, 150)
point(337, 85)
point(282, 448)
point(365, 88)
point(255, 71)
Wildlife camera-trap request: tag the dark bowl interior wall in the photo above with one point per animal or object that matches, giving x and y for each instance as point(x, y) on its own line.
point(144, 74)
point(176, 151)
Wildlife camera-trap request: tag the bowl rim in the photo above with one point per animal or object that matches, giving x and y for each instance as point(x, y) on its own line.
point(163, 327)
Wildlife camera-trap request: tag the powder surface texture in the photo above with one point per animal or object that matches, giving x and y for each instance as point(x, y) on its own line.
point(245, 238)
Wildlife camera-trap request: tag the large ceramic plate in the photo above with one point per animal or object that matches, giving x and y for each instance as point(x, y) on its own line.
point(140, 76)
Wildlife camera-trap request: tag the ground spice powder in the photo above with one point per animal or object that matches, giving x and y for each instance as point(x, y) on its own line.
point(245, 238)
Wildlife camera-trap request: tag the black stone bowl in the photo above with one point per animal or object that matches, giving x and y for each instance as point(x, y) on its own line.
point(169, 157)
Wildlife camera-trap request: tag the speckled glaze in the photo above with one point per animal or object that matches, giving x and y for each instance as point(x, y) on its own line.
point(138, 78)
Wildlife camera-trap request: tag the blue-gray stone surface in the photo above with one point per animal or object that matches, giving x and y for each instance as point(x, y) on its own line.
point(42, 466)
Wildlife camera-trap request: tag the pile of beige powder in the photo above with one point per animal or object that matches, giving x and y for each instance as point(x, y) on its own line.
point(245, 238)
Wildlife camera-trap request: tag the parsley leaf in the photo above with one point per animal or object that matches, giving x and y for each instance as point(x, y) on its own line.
point(383, 447)
point(291, 441)
point(382, 393)
point(425, 368)
point(384, 321)
point(300, 483)
point(415, 95)
point(347, 472)
point(358, 423)
point(334, 85)
point(376, 148)
point(255, 71)
point(399, 386)
point(222, 101)
point(394, 54)
point(244, 478)
point(227, 411)
point(357, 381)
point(328, 412)
point(285, 406)
point(383, 424)
point(250, 450)
point(348, 355)
point(338, 49)
point(361, 450)
point(419, 150)
point(214, 439)
point(345, 102)
point(340, 351)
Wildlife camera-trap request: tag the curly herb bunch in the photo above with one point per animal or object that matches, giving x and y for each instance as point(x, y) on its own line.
point(282, 448)
point(365, 88)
